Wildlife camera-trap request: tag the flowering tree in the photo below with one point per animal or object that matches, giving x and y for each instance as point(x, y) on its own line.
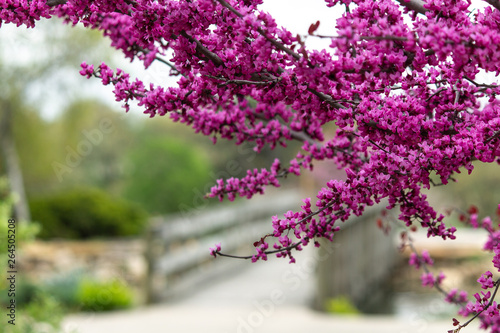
point(400, 82)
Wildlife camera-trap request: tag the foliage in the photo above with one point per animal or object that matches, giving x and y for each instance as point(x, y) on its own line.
point(341, 305)
point(80, 292)
point(32, 136)
point(43, 314)
point(36, 310)
point(178, 173)
point(85, 144)
point(104, 296)
point(401, 80)
point(83, 213)
point(65, 288)
point(45, 308)
point(91, 140)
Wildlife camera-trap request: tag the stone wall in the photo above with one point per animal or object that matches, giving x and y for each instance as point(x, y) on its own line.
point(102, 259)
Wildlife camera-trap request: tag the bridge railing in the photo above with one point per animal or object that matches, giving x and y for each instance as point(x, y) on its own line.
point(355, 265)
point(177, 246)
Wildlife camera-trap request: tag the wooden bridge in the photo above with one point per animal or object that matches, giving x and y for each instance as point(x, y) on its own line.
point(179, 262)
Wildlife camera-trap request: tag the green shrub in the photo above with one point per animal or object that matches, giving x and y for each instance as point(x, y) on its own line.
point(45, 308)
point(341, 305)
point(177, 177)
point(25, 292)
point(64, 288)
point(104, 296)
point(43, 314)
point(85, 213)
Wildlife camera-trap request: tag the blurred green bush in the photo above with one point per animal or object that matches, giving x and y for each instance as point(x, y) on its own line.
point(341, 305)
point(64, 287)
point(163, 174)
point(74, 291)
point(94, 295)
point(42, 315)
point(83, 213)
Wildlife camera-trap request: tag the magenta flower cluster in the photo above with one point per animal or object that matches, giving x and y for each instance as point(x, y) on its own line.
point(401, 82)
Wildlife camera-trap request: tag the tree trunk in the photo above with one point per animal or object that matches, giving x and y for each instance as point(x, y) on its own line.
point(11, 164)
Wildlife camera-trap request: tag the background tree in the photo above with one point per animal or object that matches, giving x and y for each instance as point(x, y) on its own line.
point(19, 96)
point(180, 170)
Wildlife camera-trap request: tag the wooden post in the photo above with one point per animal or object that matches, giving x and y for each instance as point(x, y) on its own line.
point(150, 261)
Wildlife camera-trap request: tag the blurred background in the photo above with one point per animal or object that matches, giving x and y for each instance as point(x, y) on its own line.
point(111, 214)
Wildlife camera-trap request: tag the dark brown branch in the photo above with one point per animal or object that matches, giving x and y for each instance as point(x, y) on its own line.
point(494, 3)
point(497, 133)
point(415, 5)
point(241, 82)
point(202, 49)
point(290, 247)
point(273, 41)
point(481, 84)
point(53, 3)
point(301, 136)
point(172, 66)
point(326, 98)
point(434, 94)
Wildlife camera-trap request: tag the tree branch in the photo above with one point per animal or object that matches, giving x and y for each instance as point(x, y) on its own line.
point(241, 82)
point(273, 41)
point(494, 3)
point(289, 247)
point(283, 249)
point(497, 284)
point(53, 3)
point(326, 98)
point(418, 5)
point(201, 48)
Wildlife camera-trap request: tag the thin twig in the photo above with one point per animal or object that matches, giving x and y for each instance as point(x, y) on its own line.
point(480, 84)
point(434, 94)
point(497, 284)
point(290, 247)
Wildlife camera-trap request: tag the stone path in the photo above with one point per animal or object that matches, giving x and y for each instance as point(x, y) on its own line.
point(260, 298)
point(249, 319)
